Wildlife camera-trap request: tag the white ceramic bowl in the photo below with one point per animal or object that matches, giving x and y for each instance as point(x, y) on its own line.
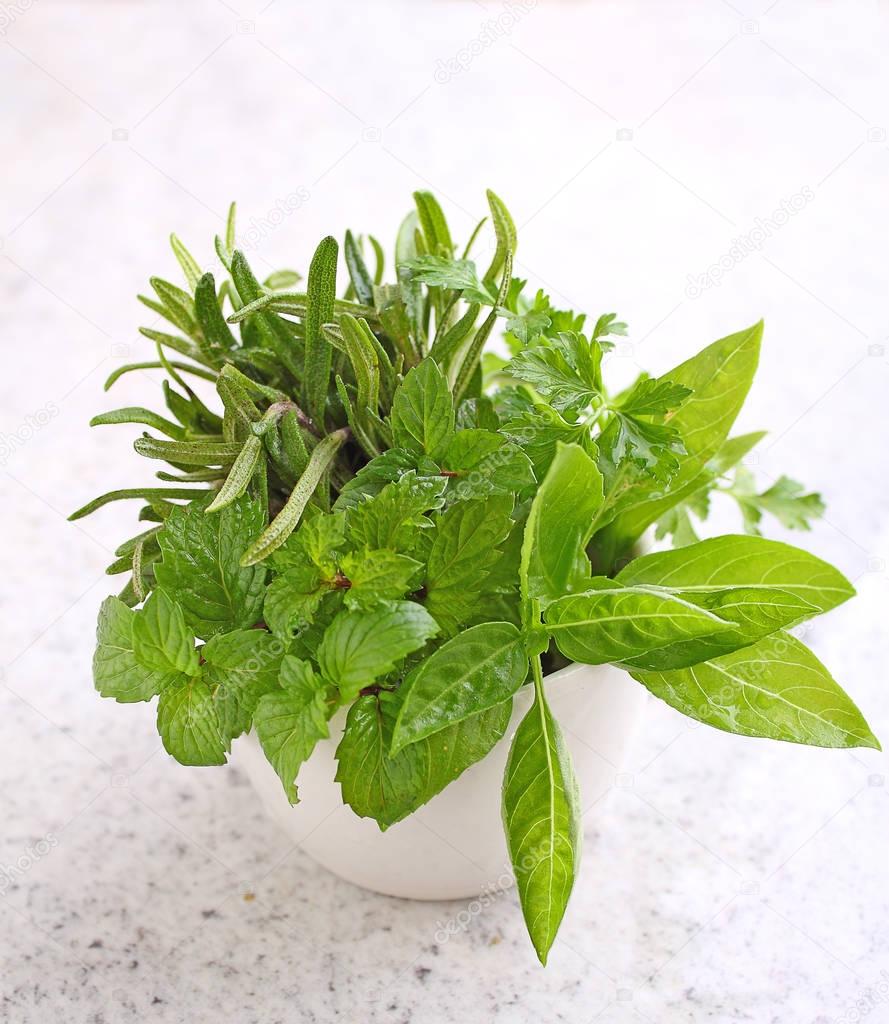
point(452, 847)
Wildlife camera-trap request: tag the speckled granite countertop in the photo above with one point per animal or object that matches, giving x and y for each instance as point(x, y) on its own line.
point(733, 880)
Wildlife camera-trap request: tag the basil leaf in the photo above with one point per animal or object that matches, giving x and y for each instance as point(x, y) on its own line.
point(201, 565)
point(188, 724)
point(612, 624)
point(375, 576)
point(553, 559)
point(422, 414)
point(360, 646)
point(239, 667)
point(386, 788)
point(715, 565)
point(116, 671)
point(465, 547)
point(776, 689)
point(478, 669)
point(542, 820)
point(719, 378)
point(161, 640)
point(290, 721)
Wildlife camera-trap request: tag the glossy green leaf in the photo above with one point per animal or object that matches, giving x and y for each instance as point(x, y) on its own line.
point(290, 720)
point(117, 672)
point(161, 639)
point(392, 517)
point(423, 411)
point(375, 576)
point(387, 789)
point(476, 670)
point(553, 559)
point(188, 723)
point(542, 821)
point(239, 667)
point(360, 646)
point(201, 565)
point(614, 624)
point(775, 689)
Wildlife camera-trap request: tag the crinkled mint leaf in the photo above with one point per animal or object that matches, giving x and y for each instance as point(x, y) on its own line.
point(161, 640)
point(360, 646)
point(479, 463)
point(375, 576)
point(465, 547)
point(291, 719)
point(422, 415)
point(201, 565)
point(116, 671)
point(293, 598)
point(239, 667)
point(188, 723)
point(372, 478)
point(393, 517)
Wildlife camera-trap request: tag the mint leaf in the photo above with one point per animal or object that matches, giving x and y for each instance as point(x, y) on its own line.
point(116, 671)
point(476, 670)
point(372, 478)
point(376, 576)
point(201, 565)
point(290, 721)
point(293, 598)
point(386, 788)
point(542, 820)
point(422, 414)
point(465, 547)
point(480, 463)
point(394, 516)
point(360, 646)
point(316, 541)
point(188, 723)
point(554, 562)
point(775, 689)
point(161, 640)
point(239, 667)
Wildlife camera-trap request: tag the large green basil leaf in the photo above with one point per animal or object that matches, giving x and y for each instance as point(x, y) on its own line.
point(289, 721)
point(722, 563)
point(613, 624)
point(360, 646)
point(559, 523)
point(776, 689)
point(719, 377)
point(201, 565)
point(480, 668)
point(116, 671)
point(388, 788)
point(542, 820)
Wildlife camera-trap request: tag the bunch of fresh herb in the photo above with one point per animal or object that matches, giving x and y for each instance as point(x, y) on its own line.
point(374, 513)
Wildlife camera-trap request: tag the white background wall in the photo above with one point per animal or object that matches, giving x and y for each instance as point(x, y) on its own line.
point(634, 143)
